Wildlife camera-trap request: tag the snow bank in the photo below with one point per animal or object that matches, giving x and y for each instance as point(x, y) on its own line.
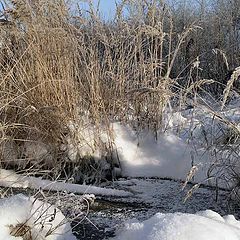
point(169, 156)
point(181, 226)
point(39, 220)
point(11, 179)
point(194, 137)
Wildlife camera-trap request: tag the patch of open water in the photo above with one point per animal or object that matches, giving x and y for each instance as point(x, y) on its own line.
point(107, 214)
point(150, 196)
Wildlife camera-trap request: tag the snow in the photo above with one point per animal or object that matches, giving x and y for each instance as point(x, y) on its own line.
point(185, 143)
point(11, 179)
point(193, 138)
point(35, 151)
point(150, 197)
point(169, 156)
point(44, 221)
point(189, 139)
point(182, 226)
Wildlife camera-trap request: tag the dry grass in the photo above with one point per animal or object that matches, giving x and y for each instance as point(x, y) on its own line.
point(234, 77)
point(57, 68)
point(21, 230)
point(38, 73)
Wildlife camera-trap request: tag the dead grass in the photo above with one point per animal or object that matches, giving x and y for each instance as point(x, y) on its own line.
point(38, 73)
point(57, 68)
point(21, 230)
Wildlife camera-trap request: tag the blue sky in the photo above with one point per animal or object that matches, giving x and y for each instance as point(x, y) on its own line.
point(107, 7)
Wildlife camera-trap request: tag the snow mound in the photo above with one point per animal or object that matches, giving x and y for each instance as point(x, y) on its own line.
point(9, 178)
point(181, 226)
point(169, 156)
point(21, 216)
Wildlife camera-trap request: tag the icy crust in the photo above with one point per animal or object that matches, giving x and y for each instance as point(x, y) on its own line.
point(45, 222)
point(205, 225)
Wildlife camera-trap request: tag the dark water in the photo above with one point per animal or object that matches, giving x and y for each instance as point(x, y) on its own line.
point(108, 215)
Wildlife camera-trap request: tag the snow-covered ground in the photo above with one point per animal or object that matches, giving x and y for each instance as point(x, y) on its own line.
point(12, 180)
point(193, 139)
point(170, 156)
point(23, 218)
point(154, 205)
point(181, 226)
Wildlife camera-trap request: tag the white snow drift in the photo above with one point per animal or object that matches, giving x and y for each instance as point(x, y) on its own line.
point(45, 222)
point(189, 138)
point(169, 156)
point(206, 225)
point(9, 178)
point(41, 220)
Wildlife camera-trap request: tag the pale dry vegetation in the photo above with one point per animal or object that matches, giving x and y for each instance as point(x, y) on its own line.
point(61, 70)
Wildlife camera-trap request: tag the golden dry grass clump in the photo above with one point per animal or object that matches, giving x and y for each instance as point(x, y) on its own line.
point(57, 67)
point(61, 68)
point(39, 65)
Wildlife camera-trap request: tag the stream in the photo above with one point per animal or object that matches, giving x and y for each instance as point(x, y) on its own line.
point(106, 215)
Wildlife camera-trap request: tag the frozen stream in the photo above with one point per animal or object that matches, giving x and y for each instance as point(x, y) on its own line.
point(108, 214)
point(150, 196)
